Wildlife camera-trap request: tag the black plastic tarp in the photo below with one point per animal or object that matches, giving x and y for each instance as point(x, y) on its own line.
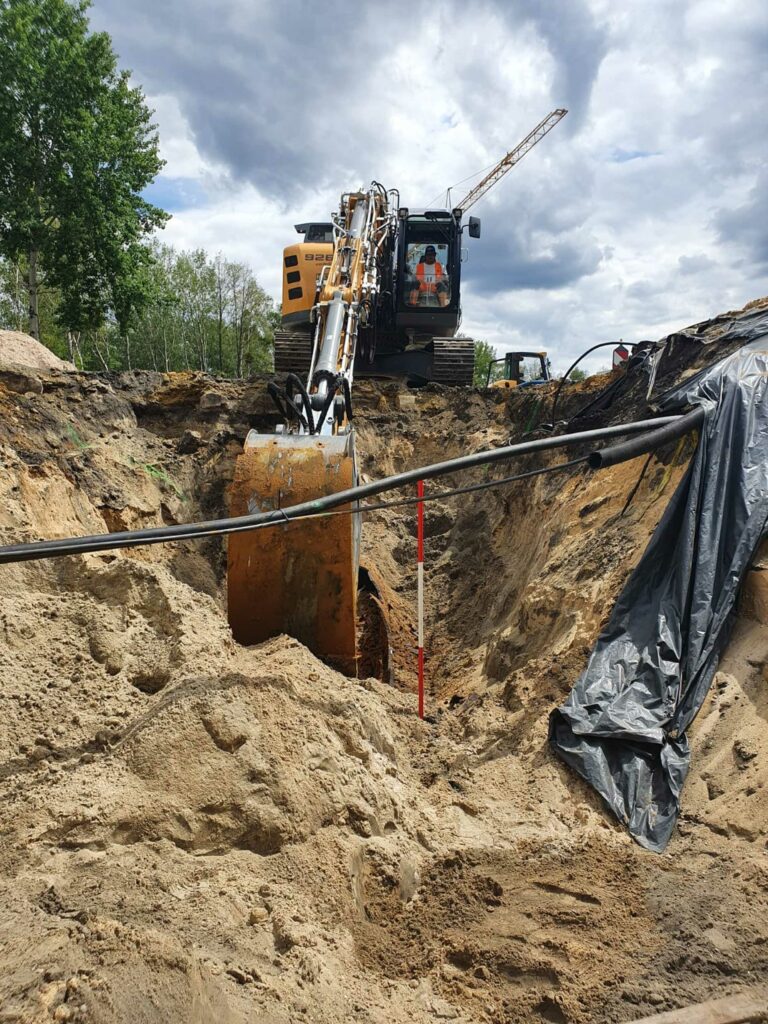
point(623, 727)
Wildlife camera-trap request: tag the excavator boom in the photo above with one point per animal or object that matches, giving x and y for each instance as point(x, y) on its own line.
point(387, 292)
point(303, 580)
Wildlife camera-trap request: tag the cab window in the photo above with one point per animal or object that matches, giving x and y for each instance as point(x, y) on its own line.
point(427, 279)
point(530, 369)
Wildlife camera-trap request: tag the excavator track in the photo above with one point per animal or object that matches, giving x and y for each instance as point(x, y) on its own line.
point(293, 352)
point(453, 362)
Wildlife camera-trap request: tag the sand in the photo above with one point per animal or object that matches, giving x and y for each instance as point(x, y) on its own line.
point(19, 349)
point(195, 831)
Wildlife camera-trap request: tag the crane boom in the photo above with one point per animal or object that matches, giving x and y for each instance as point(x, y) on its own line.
point(512, 157)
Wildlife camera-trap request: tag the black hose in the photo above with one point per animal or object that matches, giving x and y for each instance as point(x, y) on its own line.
point(347, 398)
point(486, 485)
point(326, 406)
point(636, 488)
point(241, 524)
point(614, 454)
point(284, 405)
point(564, 378)
point(293, 378)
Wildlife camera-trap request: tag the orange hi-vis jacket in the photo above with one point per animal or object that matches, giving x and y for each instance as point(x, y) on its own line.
point(428, 286)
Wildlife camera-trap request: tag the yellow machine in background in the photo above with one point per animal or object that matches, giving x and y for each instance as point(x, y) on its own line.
point(521, 369)
point(302, 265)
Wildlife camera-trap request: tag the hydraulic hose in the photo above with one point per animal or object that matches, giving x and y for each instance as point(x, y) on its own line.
point(240, 524)
point(284, 405)
point(333, 388)
point(614, 454)
point(294, 379)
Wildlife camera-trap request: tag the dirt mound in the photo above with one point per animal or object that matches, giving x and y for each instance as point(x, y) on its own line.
point(18, 349)
point(197, 831)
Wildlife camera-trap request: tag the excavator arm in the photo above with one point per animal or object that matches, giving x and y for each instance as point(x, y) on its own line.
point(304, 583)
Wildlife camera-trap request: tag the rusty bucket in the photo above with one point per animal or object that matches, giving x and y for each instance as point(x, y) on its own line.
point(299, 578)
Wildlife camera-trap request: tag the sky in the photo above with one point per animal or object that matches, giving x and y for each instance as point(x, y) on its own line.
point(644, 210)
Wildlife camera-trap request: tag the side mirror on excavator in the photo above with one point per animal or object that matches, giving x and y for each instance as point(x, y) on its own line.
point(474, 227)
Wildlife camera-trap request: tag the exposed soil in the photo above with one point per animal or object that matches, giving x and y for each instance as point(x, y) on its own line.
point(192, 830)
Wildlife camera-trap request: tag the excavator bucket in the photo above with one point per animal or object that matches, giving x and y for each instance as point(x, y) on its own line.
point(299, 578)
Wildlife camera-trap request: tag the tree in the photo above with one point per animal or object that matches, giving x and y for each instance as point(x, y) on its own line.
point(77, 149)
point(578, 374)
point(252, 328)
point(196, 314)
point(484, 356)
point(202, 313)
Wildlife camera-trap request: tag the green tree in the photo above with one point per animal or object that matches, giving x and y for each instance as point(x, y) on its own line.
point(77, 149)
point(578, 374)
point(197, 313)
point(484, 356)
point(204, 314)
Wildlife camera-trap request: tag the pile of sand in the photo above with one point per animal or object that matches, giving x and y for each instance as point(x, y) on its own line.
point(18, 349)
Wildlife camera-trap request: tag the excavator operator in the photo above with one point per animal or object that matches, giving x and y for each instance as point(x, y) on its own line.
point(430, 281)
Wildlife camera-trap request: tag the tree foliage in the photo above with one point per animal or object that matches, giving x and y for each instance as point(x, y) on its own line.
point(484, 355)
point(198, 313)
point(206, 314)
point(77, 149)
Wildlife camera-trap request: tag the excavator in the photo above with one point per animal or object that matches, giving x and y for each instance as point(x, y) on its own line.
point(373, 292)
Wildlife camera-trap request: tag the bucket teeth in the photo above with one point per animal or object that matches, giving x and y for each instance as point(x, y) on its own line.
point(299, 578)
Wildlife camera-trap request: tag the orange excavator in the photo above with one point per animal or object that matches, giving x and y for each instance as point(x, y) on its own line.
point(374, 292)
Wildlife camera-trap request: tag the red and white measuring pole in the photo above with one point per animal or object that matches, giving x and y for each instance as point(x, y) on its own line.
point(420, 588)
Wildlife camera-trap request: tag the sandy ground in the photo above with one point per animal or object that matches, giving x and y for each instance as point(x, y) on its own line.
point(196, 831)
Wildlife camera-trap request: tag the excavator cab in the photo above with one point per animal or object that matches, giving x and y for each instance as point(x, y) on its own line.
point(521, 369)
point(428, 272)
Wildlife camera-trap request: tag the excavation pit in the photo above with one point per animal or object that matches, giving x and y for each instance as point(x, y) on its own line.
point(189, 823)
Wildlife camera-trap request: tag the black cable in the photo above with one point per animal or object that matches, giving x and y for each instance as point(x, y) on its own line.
point(241, 524)
point(293, 378)
point(635, 489)
point(485, 485)
point(564, 378)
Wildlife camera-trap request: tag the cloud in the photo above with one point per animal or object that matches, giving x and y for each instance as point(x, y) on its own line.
point(621, 156)
point(746, 225)
point(288, 96)
point(524, 258)
point(577, 43)
point(695, 264)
